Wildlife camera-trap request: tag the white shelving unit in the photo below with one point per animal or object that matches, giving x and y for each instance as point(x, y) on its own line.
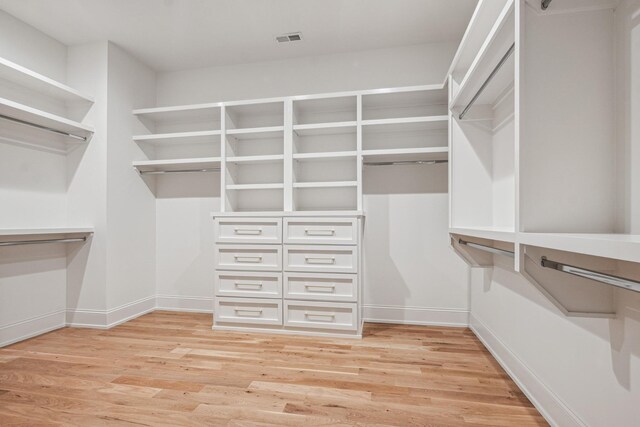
point(301, 153)
point(545, 187)
point(37, 109)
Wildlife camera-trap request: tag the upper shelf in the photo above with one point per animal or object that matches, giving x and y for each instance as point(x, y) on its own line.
point(177, 164)
point(29, 79)
point(502, 234)
point(44, 120)
point(48, 231)
point(424, 154)
point(625, 247)
point(181, 113)
point(180, 137)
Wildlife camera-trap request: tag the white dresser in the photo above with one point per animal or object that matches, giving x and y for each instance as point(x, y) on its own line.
point(291, 274)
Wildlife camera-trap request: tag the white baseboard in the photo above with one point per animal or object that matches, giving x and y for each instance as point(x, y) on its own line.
point(552, 408)
point(427, 316)
point(32, 327)
point(105, 319)
point(184, 303)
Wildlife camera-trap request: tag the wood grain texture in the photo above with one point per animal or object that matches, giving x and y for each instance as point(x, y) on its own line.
point(171, 369)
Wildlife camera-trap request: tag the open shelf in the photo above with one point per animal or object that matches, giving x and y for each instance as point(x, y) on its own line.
point(254, 117)
point(36, 82)
point(329, 184)
point(256, 159)
point(624, 247)
point(406, 154)
point(45, 231)
point(489, 233)
point(181, 113)
point(324, 110)
point(404, 104)
point(497, 44)
point(274, 186)
point(177, 164)
point(57, 124)
point(324, 155)
point(335, 128)
point(197, 137)
point(325, 198)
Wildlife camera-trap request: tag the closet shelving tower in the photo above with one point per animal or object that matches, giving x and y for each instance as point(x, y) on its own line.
point(37, 111)
point(289, 233)
point(538, 168)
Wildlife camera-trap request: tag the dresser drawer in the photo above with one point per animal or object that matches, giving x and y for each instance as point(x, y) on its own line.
point(248, 284)
point(331, 231)
point(330, 259)
point(321, 286)
point(320, 315)
point(248, 230)
point(249, 257)
point(248, 310)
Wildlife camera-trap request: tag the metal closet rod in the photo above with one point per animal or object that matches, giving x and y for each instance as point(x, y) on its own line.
point(40, 242)
point(609, 279)
point(48, 129)
point(406, 162)
point(503, 60)
point(179, 171)
point(487, 248)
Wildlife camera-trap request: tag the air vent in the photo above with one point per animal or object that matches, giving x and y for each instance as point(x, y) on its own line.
point(291, 37)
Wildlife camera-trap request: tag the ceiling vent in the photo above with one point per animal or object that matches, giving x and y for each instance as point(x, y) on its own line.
point(291, 37)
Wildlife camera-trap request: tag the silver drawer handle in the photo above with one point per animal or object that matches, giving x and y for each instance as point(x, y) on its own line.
point(248, 311)
point(320, 288)
point(322, 317)
point(248, 231)
point(251, 259)
point(250, 285)
point(330, 232)
point(319, 260)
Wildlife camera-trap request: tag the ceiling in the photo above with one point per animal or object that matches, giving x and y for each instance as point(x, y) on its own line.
point(181, 34)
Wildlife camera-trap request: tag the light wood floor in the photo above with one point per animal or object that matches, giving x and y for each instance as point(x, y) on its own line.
point(171, 369)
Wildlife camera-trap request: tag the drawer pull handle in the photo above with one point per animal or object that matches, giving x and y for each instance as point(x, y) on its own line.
point(320, 260)
point(248, 231)
point(248, 311)
point(257, 285)
point(320, 288)
point(248, 259)
point(321, 317)
point(330, 232)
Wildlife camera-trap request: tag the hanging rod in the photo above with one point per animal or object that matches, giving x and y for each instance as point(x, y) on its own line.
point(39, 242)
point(48, 129)
point(486, 248)
point(406, 162)
point(179, 171)
point(544, 4)
point(486, 82)
point(609, 279)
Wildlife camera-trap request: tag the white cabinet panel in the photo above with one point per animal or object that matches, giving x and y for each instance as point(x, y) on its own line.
point(334, 231)
point(331, 259)
point(248, 310)
point(309, 314)
point(249, 257)
point(248, 230)
point(321, 286)
point(248, 284)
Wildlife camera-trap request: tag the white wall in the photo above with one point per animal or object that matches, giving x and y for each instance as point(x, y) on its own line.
point(32, 193)
point(411, 274)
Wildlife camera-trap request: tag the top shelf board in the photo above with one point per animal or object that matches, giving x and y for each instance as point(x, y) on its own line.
point(36, 82)
point(45, 232)
point(490, 233)
point(181, 113)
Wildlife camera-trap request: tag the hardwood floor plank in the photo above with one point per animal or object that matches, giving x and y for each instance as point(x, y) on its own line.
point(171, 369)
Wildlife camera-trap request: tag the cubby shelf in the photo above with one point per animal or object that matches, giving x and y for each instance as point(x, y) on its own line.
point(328, 184)
point(325, 128)
point(43, 119)
point(178, 137)
point(29, 79)
point(276, 186)
point(406, 120)
point(328, 155)
point(489, 233)
point(177, 164)
point(255, 159)
point(254, 133)
point(406, 154)
point(193, 112)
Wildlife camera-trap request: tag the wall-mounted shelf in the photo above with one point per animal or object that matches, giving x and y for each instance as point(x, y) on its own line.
point(32, 117)
point(187, 113)
point(177, 164)
point(22, 76)
point(489, 233)
point(10, 237)
point(179, 137)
